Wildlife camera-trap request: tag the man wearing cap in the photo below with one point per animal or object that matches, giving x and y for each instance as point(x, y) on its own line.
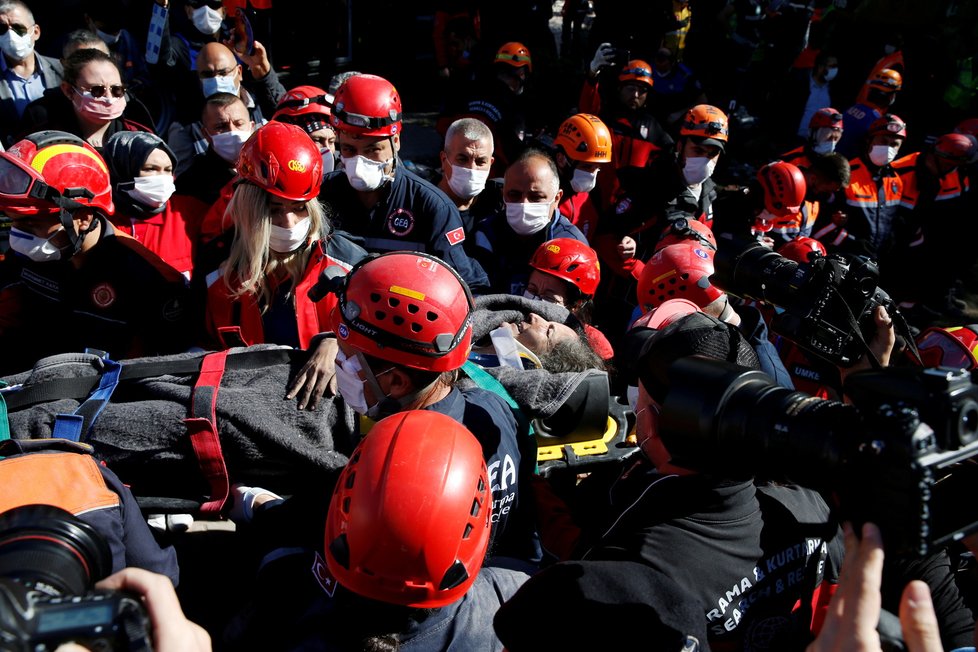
point(720, 536)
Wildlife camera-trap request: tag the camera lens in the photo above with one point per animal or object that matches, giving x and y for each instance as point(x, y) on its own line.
point(52, 549)
point(751, 270)
point(968, 422)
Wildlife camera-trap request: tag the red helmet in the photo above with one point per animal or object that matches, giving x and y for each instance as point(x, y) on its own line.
point(706, 122)
point(53, 172)
point(887, 80)
point(955, 347)
point(282, 159)
point(514, 54)
point(407, 308)
point(303, 100)
point(367, 105)
point(679, 271)
point(570, 260)
point(888, 123)
point(802, 249)
point(784, 188)
point(636, 70)
point(682, 229)
point(958, 149)
point(409, 522)
point(827, 117)
point(585, 138)
point(968, 126)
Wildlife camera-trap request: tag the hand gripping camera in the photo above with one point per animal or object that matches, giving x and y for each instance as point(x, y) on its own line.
point(901, 456)
point(826, 305)
point(49, 562)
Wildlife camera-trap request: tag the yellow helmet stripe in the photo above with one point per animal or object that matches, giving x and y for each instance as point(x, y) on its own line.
point(46, 154)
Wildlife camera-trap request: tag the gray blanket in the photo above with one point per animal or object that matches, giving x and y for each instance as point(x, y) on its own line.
point(141, 435)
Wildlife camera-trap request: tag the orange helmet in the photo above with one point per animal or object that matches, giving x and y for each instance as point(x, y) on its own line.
point(570, 260)
point(636, 70)
point(514, 54)
point(409, 520)
point(784, 188)
point(53, 171)
point(282, 159)
point(707, 122)
point(367, 105)
point(585, 138)
point(886, 80)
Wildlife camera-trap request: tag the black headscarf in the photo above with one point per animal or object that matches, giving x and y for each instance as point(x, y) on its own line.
point(125, 153)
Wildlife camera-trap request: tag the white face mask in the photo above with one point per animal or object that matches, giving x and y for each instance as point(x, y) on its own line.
point(207, 20)
point(698, 169)
point(882, 155)
point(152, 191)
point(228, 145)
point(830, 73)
point(15, 46)
point(110, 39)
point(40, 250)
point(220, 84)
point(349, 384)
point(364, 174)
point(329, 161)
point(528, 218)
point(467, 182)
point(282, 240)
point(584, 181)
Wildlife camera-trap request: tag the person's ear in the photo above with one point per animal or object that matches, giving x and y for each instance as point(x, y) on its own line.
point(445, 165)
point(560, 193)
point(396, 143)
point(398, 383)
point(37, 32)
point(66, 89)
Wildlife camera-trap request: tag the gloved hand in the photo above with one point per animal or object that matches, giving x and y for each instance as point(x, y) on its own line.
point(603, 56)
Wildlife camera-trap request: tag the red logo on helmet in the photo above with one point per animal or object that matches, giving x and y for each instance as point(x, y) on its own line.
point(400, 222)
point(455, 236)
point(103, 295)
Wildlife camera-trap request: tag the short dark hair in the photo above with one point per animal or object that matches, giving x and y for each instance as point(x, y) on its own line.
point(78, 38)
point(220, 100)
point(832, 167)
point(80, 58)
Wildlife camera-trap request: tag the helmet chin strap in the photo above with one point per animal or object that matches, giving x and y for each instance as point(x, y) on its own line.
point(387, 406)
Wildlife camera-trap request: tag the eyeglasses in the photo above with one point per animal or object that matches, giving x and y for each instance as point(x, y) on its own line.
point(223, 72)
point(19, 30)
point(98, 91)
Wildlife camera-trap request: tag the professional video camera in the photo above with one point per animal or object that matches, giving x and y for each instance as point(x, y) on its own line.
point(901, 456)
point(827, 303)
point(49, 562)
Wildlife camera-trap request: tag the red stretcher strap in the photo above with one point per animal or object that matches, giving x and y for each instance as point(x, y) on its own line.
point(202, 428)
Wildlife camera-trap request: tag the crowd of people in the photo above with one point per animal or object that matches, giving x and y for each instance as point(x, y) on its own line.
point(165, 189)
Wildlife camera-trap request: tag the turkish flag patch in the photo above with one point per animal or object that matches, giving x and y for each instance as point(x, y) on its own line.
point(456, 236)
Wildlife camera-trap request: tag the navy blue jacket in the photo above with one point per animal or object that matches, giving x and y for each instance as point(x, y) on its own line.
point(505, 255)
point(413, 216)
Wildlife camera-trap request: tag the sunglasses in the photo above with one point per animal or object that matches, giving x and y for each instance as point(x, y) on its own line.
point(224, 72)
point(19, 30)
point(99, 90)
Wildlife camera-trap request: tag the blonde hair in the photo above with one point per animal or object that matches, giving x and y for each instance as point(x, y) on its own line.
point(251, 262)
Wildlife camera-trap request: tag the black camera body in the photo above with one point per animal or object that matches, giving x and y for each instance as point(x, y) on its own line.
point(49, 563)
point(32, 620)
point(621, 57)
point(827, 304)
point(901, 456)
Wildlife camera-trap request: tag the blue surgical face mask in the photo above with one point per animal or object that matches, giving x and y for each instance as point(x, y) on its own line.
point(220, 84)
